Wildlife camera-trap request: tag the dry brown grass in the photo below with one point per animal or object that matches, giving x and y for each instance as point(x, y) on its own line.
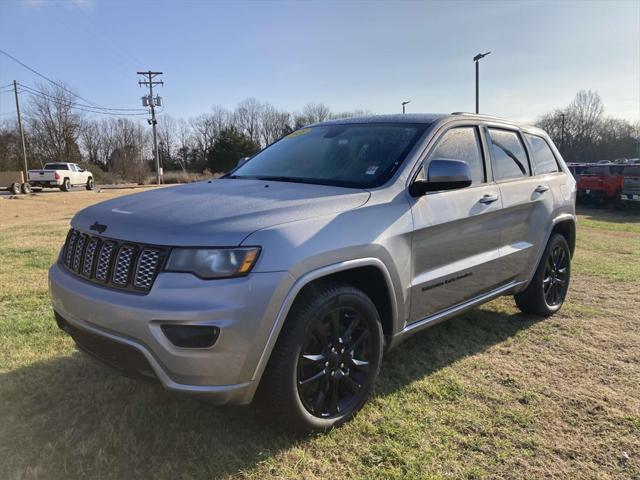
point(491, 394)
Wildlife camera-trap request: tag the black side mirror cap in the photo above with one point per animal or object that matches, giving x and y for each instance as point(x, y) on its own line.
point(442, 175)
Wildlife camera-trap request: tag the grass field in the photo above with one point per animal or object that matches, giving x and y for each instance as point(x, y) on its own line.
point(491, 394)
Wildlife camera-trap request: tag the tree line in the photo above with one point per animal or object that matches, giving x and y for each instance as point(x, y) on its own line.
point(120, 148)
point(583, 133)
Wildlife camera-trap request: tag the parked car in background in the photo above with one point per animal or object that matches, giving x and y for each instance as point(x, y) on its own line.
point(630, 195)
point(600, 184)
point(62, 176)
point(576, 169)
point(290, 276)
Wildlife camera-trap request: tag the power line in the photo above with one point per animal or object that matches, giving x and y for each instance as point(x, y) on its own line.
point(83, 105)
point(74, 106)
point(92, 104)
point(47, 78)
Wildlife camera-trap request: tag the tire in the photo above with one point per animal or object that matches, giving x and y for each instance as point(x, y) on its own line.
point(317, 379)
point(26, 188)
point(66, 185)
point(15, 188)
point(89, 185)
point(547, 291)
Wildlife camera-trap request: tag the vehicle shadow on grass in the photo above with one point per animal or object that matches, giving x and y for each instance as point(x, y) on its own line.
point(72, 417)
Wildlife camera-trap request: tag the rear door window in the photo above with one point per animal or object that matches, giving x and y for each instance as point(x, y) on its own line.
point(508, 155)
point(543, 159)
point(461, 143)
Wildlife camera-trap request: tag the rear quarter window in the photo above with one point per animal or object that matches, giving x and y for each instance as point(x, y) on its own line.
point(543, 160)
point(508, 156)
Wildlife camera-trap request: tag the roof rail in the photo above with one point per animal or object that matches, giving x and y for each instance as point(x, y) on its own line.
point(485, 116)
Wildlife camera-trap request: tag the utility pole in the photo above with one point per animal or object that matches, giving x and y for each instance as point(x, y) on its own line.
point(152, 102)
point(24, 148)
point(476, 59)
point(403, 104)
point(562, 134)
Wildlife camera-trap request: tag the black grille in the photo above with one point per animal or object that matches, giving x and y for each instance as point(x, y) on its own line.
point(122, 265)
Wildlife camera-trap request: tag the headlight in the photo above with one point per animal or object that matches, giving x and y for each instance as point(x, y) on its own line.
point(213, 262)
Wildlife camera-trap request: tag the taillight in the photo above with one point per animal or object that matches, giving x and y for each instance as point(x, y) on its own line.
point(56, 175)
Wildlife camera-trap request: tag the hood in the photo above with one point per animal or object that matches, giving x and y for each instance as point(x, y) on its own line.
point(217, 213)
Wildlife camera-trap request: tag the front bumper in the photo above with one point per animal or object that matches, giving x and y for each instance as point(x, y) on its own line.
point(243, 308)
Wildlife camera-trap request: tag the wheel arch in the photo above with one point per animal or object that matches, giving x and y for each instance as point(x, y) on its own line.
point(566, 228)
point(365, 274)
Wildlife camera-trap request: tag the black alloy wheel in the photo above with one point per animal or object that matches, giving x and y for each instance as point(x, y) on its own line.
point(326, 360)
point(556, 276)
point(334, 363)
point(548, 288)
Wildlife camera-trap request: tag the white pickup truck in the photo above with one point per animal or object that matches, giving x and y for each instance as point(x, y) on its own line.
point(62, 176)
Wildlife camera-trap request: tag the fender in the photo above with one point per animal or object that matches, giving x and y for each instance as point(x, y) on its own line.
point(306, 279)
point(559, 218)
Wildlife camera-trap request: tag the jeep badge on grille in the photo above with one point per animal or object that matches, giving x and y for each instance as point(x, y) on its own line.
point(98, 227)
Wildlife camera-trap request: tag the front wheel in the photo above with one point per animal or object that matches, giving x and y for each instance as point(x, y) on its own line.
point(26, 188)
point(15, 188)
point(326, 360)
point(548, 288)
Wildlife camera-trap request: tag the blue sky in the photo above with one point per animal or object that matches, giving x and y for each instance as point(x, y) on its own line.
point(369, 55)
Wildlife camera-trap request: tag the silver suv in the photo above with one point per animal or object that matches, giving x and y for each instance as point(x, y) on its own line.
point(287, 278)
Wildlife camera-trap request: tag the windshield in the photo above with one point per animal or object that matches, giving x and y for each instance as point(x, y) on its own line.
point(354, 155)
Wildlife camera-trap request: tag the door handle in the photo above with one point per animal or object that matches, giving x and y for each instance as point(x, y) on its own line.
point(487, 199)
point(541, 189)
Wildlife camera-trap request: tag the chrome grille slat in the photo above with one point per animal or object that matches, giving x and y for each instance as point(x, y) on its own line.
point(71, 242)
point(78, 251)
point(89, 257)
point(146, 268)
point(104, 261)
point(122, 266)
point(112, 263)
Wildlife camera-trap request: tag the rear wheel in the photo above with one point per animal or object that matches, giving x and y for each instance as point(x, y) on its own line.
point(15, 188)
point(89, 185)
point(548, 288)
point(326, 360)
point(66, 185)
point(26, 188)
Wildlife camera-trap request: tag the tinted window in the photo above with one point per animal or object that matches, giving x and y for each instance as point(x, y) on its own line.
point(543, 159)
point(56, 166)
point(508, 156)
point(350, 155)
point(461, 144)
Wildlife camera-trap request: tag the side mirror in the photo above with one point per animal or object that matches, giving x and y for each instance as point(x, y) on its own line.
point(442, 175)
point(242, 161)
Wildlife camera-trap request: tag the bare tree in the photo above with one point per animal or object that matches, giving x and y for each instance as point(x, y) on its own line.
point(246, 118)
point(184, 142)
point(91, 137)
point(316, 112)
point(54, 126)
point(274, 124)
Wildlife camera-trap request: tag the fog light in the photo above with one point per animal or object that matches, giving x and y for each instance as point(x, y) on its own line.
point(191, 336)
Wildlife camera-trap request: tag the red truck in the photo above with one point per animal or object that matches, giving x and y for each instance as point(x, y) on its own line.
point(600, 184)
